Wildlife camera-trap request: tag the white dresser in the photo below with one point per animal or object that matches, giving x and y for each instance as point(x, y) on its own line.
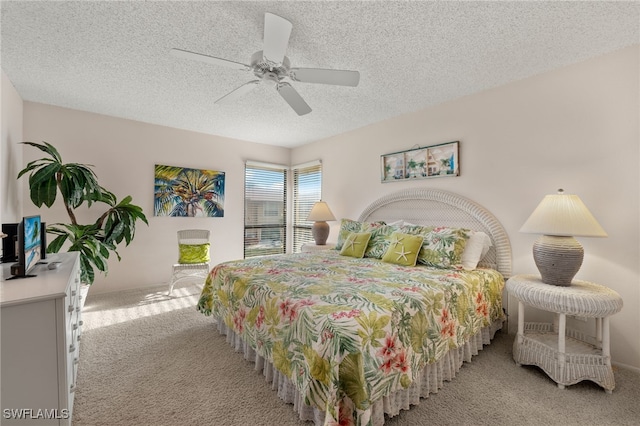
point(40, 326)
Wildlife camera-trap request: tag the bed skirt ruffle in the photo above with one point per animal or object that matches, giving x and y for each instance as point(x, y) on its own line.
point(429, 381)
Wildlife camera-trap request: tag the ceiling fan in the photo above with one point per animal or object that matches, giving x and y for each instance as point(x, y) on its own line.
point(271, 66)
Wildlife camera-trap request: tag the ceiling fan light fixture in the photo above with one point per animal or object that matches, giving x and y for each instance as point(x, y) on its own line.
point(271, 79)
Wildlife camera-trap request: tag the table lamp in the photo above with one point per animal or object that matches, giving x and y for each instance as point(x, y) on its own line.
point(320, 213)
point(559, 218)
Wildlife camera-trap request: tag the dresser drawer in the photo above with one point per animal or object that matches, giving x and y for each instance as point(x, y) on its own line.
point(41, 342)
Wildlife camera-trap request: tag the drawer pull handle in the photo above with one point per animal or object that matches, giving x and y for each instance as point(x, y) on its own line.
point(75, 327)
point(79, 337)
point(81, 323)
point(76, 360)
point(72, 348)
point(71, 308)
point(78, 309)
point(72, 388)
point(73, 293)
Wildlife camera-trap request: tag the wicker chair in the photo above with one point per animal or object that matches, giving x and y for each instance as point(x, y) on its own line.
point(190, 270)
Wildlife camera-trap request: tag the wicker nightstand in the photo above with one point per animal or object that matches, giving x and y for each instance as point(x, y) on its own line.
point(311, 247)
point(567, 356)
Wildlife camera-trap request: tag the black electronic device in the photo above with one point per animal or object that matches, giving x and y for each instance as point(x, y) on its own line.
point(10, 242)
point(43, 240)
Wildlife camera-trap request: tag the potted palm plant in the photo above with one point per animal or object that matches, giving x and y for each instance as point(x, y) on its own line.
point(77, 184)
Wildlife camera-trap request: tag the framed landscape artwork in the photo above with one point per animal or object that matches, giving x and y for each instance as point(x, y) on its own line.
point(184, 192)
point(421, 163)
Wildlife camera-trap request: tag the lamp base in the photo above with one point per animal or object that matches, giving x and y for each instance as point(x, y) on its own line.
point(558, 259)
point(320, 232)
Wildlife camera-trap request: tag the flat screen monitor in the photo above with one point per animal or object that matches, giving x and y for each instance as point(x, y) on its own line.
point(29, 246)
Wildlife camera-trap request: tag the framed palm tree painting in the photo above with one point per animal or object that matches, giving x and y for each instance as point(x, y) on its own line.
point(185, 192)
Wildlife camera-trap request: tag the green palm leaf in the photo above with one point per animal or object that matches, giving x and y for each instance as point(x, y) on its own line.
point(352, 381)
point(77, 184)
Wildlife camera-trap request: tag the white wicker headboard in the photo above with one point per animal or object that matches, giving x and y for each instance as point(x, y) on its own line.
point(433, 207)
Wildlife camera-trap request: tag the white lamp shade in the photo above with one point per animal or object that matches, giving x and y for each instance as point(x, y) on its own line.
point(563, 215)
point(320, 212)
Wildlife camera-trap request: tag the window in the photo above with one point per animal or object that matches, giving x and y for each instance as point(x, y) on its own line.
point(265, 209)
point(307, 189)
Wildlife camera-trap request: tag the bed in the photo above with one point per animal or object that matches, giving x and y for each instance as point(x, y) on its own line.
point(349, 339)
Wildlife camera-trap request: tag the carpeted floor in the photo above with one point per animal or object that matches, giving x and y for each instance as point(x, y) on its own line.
point(150, 359)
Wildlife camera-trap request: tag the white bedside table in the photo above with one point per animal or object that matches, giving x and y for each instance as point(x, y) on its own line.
point(567, 356)
point(311, 247)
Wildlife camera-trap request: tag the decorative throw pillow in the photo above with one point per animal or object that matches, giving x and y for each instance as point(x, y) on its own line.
point(416, 229)
point(403, 249)
point(347, 226)
point(355, 244)
point(477, 246)
point(443, 247)
point(423, 231)
point(194, 253)
point(379, 242)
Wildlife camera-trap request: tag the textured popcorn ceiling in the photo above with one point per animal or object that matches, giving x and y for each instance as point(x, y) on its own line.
point(113, 57)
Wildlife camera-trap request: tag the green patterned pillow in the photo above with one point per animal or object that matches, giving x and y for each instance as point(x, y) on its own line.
point(194, 253)
point(347, 226)
point(403, 249)
point(355, 244)
point(442, 247)
point(416, 230)
point(379, 241)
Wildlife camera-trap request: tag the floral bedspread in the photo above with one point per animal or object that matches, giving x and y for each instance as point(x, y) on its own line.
point(349, 331)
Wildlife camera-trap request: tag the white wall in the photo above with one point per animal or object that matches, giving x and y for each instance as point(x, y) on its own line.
point(123, 154)
point(575, 128)
point(10, 153)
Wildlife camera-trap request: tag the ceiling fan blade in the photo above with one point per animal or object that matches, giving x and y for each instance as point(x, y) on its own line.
point(293, 98)
point(209, 59)
point(325, 76)
point(238, 93)
point(276, 37)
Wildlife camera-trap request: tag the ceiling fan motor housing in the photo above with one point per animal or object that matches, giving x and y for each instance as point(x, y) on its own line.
point(267, 70)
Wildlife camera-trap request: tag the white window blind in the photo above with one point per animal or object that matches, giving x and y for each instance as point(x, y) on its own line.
point(307, 190)
point(265, 209)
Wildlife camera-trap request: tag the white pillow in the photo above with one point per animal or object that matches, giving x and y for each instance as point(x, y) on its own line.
point(399, 223)
point(396, 223)
point(477, 246)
